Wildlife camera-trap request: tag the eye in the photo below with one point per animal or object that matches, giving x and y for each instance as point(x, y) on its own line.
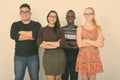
point(24, 12)
point(88, 14)
point(52, 16)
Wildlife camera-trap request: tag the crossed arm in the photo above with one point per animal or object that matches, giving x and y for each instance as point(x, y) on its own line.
point(25, 35)
point(50, 45)
point(70, 44)
point(42, 43)
point(87, 42)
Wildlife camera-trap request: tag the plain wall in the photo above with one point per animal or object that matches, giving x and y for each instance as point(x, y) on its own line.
point(107, 15)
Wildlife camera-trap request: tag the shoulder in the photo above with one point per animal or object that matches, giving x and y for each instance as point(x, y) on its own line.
point(36, 23)
point(16, 23)
point(80, 27)
point(99, 30)
point(61, 29)
point(43, 28)
point(64, 26)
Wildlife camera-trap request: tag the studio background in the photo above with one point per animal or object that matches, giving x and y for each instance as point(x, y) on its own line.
point(107, 15)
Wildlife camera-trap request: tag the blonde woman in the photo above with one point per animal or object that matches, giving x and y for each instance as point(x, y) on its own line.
point(89, 39)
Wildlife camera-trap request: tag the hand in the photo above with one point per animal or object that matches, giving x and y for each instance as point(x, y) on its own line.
point(89, 41)
point(21, 32)
point(59, 40)
point(86, 40)
point(43, 42)
point(32, 39)
point(74, 47)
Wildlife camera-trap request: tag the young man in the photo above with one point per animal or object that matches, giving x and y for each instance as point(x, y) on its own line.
point(24, 33)
point(71, 49)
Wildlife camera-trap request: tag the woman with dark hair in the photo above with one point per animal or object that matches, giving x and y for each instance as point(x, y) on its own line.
point(51, 38)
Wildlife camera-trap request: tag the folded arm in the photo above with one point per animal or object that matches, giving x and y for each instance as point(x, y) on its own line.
point(81, 42)
point(99, 42)
point(25, 35)
point(71, 44)
point(50, 45)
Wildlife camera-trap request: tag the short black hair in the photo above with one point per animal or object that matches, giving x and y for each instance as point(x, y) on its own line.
point(70, 11)
point(25, 5)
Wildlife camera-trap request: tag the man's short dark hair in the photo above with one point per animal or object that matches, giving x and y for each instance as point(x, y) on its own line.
point(25, 5)
point(70, 11)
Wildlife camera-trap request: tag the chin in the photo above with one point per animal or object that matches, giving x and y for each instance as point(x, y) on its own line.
point(52, 22)
point(26, 19)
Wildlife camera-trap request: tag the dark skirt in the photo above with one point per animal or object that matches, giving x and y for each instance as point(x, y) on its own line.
point(54, 61)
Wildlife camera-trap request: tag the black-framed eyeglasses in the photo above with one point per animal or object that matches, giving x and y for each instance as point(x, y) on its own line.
point(50, 16)
point(70, 16)
point(24, 12)
point(86, 14)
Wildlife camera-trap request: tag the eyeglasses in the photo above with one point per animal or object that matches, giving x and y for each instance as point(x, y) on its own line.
point(50, 16)
point(24, 12)
point(70, 16)
point(87, 14)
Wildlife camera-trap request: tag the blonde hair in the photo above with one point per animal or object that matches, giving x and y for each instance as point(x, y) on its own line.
point(94, 21)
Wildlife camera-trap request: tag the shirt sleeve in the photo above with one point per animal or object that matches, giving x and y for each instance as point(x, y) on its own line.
point(62, 41)
point(35, 30)
point(40, 37)
point(14, 31)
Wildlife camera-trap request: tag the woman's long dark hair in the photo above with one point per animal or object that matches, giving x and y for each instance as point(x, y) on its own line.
point(56, 28)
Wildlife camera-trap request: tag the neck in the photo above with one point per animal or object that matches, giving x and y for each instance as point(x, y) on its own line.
point(89, 23)
point(71, 25)
point(26, 21)
point(51, 25)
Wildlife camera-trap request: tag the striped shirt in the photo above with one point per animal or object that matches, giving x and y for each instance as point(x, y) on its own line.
point(70, 33)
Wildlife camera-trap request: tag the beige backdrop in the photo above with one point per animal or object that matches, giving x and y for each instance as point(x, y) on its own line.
point(107, 14)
